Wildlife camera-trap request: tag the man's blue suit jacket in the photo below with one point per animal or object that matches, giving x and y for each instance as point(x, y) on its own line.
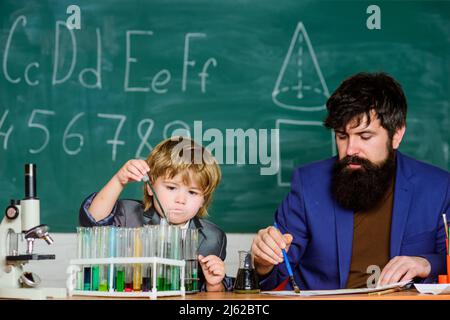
point(321, 250)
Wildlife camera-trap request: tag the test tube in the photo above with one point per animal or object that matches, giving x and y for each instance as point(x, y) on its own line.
point(174, 252)
point(167, 254)
point(190, 255)
point(86, 254)
point(112, 253)
point(102, 242)
point(129, 239)
point(120, 252)
point(161, 251)
point(137, 267)
point(80, 232)
point(146, 267)
point(95, 247)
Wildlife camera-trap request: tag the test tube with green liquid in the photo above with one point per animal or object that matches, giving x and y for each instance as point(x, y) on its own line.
point(174, 252)
point(167, 254)
point(161, 251)
point(95, 247)
point(190, 254)
point(120, 252)
point(102, 252)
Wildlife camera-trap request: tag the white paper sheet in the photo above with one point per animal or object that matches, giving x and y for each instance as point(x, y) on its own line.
point(442, 288)
point(308, 293)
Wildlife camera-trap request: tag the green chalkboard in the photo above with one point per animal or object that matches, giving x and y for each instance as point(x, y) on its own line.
point(80, 103)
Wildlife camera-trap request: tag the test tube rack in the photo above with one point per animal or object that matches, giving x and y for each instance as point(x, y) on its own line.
point(76, 264)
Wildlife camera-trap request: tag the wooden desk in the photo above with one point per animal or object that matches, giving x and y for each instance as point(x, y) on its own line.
point(402, 295)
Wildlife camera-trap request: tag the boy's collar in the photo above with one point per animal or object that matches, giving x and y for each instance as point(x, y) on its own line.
point(195, 223)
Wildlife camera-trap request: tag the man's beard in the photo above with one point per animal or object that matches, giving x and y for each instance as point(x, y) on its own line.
point(362, 189)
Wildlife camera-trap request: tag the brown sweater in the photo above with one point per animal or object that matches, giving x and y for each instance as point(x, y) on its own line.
point(371, 241)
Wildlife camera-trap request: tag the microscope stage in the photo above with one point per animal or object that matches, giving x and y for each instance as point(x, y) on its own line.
point(27, 257)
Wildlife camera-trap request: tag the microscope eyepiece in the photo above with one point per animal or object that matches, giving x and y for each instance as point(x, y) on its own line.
point(30, 181)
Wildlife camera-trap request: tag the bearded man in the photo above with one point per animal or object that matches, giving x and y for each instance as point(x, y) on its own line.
point(370, 208)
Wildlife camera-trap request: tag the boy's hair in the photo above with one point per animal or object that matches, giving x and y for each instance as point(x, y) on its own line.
point(363, 92)
point(181, 155)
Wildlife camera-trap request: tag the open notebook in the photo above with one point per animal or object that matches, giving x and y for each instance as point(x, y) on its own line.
point(339, 291)
point(433, 288)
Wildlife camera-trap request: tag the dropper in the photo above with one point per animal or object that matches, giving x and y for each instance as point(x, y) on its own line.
point(164, 219)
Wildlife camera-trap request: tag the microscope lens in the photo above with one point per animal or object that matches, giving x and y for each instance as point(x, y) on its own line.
point(30, 181)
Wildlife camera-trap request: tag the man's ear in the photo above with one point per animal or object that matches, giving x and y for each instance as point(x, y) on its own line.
point(398, 136)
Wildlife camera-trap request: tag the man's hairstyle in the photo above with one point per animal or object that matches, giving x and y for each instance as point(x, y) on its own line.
point(180, 155)
point(363, 92)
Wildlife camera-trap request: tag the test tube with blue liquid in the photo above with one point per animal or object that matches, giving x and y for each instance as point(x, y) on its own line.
point(86, 254)
point(80, 232)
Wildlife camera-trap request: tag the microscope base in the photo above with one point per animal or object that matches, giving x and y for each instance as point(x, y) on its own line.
point(33, 293)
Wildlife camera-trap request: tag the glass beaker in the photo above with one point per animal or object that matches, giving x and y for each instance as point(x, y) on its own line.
point(246, 279)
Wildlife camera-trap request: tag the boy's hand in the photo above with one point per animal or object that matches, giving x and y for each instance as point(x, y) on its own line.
point(214, 270)
point(132, 170)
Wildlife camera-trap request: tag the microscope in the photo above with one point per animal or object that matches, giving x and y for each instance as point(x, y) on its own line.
point(21, 221)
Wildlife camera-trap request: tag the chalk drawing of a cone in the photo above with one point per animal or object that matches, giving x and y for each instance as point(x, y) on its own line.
point(300, 84)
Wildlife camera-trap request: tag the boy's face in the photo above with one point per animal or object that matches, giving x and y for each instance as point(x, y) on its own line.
point(181, 202)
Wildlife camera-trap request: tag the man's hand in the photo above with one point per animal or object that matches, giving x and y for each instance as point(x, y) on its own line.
point(214, 270)
point(402, 268)
point(266, 249)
